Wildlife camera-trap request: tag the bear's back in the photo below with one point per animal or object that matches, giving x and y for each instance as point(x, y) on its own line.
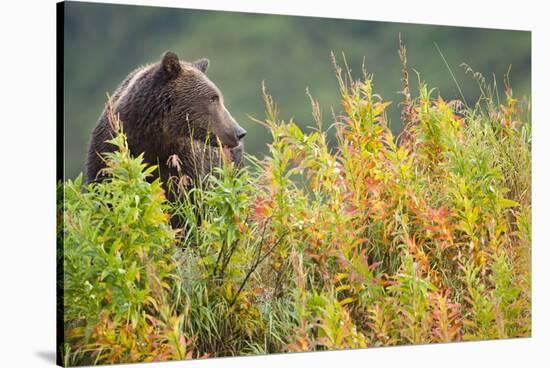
point(122, 106)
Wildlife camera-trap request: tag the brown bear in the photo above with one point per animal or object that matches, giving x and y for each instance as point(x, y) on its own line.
point(173, 114)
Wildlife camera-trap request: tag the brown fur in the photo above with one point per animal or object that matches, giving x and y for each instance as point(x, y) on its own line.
point(170, 108)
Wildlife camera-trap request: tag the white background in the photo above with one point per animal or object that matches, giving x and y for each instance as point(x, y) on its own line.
point(27, 181)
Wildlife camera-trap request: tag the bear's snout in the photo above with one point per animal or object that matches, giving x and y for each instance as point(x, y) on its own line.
point(240, 132)
point(232, 138)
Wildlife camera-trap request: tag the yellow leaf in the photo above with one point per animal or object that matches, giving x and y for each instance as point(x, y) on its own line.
point(343, 287)
point(339, 276)
point(347, 300)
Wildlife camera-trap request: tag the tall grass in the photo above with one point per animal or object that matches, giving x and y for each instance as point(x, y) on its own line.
point(383, 240)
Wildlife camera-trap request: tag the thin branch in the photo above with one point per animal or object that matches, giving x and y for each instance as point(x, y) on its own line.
point(254, 266)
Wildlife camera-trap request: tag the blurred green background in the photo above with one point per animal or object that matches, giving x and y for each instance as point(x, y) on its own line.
point(104, 43)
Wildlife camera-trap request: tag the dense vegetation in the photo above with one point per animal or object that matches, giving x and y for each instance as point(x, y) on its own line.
point(420, 238)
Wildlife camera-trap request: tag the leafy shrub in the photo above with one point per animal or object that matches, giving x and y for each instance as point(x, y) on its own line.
point(118, 268)
point(381, 240)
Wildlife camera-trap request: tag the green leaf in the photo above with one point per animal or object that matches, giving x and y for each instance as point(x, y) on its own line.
point(507, 203)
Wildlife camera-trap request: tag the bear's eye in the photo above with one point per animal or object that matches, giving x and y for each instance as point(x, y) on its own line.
point(214, 99)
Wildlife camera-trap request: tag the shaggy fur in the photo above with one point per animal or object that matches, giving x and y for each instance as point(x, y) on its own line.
point(170, 108)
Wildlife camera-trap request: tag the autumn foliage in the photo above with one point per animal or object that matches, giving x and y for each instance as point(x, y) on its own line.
point(371, 240)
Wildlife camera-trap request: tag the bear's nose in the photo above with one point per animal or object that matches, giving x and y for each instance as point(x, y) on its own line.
point(240, 132)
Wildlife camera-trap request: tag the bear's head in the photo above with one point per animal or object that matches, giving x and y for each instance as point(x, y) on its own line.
point(194, 105)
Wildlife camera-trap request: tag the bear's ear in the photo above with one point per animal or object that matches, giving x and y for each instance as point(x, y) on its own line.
point(170, 64)
point(202, 64)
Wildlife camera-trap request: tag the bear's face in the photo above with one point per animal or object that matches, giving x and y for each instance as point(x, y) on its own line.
point(194, 106)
